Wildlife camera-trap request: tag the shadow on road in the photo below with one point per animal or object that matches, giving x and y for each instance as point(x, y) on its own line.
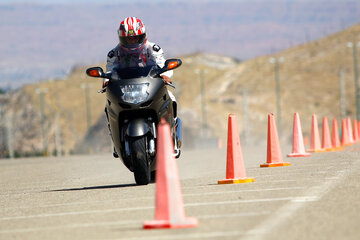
point(94, 187)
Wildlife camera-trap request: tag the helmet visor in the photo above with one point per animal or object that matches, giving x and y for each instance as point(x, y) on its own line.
point(132, 41)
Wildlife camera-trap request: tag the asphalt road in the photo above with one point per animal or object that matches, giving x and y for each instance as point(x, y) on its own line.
point(94, 197)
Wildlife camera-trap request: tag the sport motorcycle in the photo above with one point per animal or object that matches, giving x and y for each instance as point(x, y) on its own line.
point(137, 99)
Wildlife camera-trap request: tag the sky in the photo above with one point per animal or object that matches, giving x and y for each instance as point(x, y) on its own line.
point(119, 1)
point(68, 1)
point(61, 1)
point(127, 1)
point(68, 31)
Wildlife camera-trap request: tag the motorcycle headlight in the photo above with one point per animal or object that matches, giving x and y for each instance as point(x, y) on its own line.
point(134, 93)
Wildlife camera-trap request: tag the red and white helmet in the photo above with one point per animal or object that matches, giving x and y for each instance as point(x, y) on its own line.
point(132, 34)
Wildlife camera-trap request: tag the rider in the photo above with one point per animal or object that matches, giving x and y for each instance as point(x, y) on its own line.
point(134, 50)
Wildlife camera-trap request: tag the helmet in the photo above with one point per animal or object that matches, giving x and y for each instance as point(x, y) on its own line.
point(132, 34)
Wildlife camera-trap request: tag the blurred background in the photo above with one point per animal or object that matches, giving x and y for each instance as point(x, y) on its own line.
point(248, 57)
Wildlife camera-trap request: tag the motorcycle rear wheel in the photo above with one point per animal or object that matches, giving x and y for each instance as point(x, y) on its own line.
point(140, 161)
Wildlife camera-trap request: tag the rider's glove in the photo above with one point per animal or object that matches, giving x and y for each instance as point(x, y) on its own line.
point(105, 83)
point(166, 78)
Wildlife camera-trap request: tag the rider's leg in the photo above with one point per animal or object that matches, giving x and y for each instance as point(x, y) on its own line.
point(171, 95)
point(115, 154)
point(177, 123)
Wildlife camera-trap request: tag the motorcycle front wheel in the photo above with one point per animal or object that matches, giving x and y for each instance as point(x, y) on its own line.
point(140, 161)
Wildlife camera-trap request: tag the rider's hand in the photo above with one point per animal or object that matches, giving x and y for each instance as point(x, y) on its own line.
point(166, 79)
point(105, 83)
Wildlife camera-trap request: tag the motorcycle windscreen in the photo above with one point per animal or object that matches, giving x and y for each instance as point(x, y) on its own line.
point(133, 72)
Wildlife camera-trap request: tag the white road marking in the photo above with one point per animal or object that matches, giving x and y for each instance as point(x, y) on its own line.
point(294, 173)
point(214, 183)
point(328, 164)
point(76, 213)
point(277, 181)
point(82, 225)
point(240, 201)
point(243, 190)
point(306, 174)
point(133, 222)
point(142, 198)
point(190, 236)
point(145, 208)
point(243, 214)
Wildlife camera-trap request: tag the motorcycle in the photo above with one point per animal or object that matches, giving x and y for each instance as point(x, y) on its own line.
point(136, 100)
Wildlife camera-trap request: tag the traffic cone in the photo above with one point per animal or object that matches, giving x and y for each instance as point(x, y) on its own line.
point(169, 207)
point(298, 149)
point(335, 135)
point(235, 168)
point(355, 131)
point(274, 155)
point(345, 141)
point(306, 140)
point(326, 140)
point(315, 137)
point(350, 131)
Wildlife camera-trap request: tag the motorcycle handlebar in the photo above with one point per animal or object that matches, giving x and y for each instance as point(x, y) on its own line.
point(170, 84)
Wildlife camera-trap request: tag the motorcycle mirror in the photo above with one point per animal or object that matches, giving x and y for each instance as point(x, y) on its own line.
point(169, 65)
point(95, 72)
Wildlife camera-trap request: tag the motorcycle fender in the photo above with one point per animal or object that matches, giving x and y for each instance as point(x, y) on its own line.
point(137, 127)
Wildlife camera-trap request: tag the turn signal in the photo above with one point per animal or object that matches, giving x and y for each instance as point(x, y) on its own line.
point(94, 73)
point(172, 65)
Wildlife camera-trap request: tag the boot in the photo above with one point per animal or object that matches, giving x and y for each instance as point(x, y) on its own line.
point(115, 154)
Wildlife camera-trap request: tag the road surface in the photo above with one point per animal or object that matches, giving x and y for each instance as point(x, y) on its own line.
point(94, 197)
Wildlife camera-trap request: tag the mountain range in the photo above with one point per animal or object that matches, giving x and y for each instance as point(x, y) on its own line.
point(48, 41)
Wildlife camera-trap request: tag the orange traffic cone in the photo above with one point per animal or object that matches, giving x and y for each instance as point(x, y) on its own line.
point(335, 135)
point(306, 140)
point(358, 129)
point(356, 134)
point(235, 168)
point(326, 141)
point(315, 137)
point(350, 131)
point(169, 209)
point(344, 133)
point(298, 149)
point(274, 155)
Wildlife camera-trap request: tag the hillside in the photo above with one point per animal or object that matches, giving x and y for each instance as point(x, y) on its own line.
point(309, 84)
point(67, 97)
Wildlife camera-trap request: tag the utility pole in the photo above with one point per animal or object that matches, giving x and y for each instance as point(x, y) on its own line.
point(6, 120)
point(40, 92)
point(276, 61)
point(57, 136)
point(58, 141)
point(86, 87)
point(201, 73)
point(354, 46)
point(10, 135)
point(3, 102)
point(246, 117)
point(342, 94)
